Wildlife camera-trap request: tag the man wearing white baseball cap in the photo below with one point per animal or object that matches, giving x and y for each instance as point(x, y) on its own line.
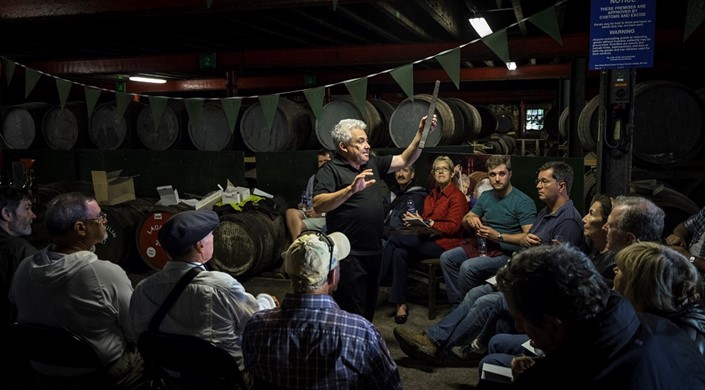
point(309, 342)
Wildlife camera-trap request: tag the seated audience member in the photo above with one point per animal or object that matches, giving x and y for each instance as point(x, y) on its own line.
point(214, 306)
point(658, 280)
point(503, 216)
point(16, 219)
point(591, 337)
point(400, 192)
point(596, 236)
point(305, 217)
point(309, 342)
point(66, 285)
point(443, 211)
point(688, 238)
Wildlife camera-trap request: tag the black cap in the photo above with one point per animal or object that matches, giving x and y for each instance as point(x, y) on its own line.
point(186, 228)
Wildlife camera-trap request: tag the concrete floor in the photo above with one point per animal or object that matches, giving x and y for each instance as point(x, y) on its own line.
point(414, 374)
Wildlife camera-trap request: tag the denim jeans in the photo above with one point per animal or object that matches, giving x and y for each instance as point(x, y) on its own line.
point(464, 323)
point(462, 274)
point(502, 348)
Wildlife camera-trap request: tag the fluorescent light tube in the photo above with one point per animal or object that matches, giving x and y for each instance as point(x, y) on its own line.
point(480, 25)
point(147, 80)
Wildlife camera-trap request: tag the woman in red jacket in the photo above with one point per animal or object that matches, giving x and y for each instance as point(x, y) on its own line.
point(443, 212)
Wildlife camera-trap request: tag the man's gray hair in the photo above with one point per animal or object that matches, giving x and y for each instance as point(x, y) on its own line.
point(343, 130)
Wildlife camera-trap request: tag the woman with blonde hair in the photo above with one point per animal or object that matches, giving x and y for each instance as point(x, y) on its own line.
point(658, 280)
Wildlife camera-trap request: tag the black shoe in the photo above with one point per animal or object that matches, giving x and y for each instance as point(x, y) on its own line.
point(401, 318)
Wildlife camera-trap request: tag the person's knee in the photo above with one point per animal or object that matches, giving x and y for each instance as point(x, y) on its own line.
point(294, 214)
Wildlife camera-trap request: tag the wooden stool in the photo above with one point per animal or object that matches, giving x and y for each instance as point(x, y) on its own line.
point(429, 271)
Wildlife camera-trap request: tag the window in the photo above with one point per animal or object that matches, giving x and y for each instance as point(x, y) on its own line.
point(534, 119)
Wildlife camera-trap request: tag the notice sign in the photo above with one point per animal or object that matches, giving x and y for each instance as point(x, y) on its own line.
point(622, 34)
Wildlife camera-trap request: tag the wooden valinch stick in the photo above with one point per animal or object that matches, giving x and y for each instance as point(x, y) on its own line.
point(429, 116)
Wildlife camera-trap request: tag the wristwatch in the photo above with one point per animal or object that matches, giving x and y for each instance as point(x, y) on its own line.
point(500, 238)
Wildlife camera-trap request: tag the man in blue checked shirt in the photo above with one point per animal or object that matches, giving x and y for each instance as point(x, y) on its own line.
point(309, 342)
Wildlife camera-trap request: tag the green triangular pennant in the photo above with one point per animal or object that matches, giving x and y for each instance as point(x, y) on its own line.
point(122, 100)
point(335, 4)
point(404, 76)
point(269, 105)
point(209, 3)
point(693, 17)
point(31, 78)
point(231, 106)
point(194, 107)
point(499, 3)
point(92, 95)
point(547, 21)
point(450, 61)
point(497, 42)
point(63, 87)
point(9, 68)
point(314, 97)
point(157, 104)
point(358, 91)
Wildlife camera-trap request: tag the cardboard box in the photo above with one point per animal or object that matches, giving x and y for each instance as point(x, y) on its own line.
point(111, 189)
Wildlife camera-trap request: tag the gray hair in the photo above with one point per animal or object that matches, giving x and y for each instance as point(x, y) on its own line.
point(64, 210)
point(641, 217)
point(342, 132)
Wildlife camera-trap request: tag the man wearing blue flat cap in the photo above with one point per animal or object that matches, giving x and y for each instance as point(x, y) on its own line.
point(214, 306)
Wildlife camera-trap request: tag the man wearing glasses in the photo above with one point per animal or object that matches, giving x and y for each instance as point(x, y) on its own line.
point(66, 285)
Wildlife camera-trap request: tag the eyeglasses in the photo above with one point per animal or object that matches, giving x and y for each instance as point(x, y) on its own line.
point(441, 169)
point(102, 217)
point(325, 239)
point(544, 182)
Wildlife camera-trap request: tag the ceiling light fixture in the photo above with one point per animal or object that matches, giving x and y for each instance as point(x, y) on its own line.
point(511, 65)
point(143, 79)
point(480, 25)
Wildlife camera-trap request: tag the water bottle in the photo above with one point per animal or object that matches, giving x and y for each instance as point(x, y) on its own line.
point(410, 206)
point(481, 246)
point(305, 201)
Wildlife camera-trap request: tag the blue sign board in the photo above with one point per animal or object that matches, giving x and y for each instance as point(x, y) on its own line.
point(622, 34)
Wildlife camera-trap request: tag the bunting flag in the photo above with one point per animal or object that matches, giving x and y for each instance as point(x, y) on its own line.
point(209, 3)
point(92, 95)
point(499, 3)
point(31, 78)
point(358, 91)
point(450, 61)
point(314, 97)
point(547, 21)
point(335, 4)
point(63, 87)
point(194, 107)
point(404, 76)
point(231, 107)
point(497, 42)
point(122, 100)
point(157, 104)
point(9, 68)
point(269, 105)
point(694, 17)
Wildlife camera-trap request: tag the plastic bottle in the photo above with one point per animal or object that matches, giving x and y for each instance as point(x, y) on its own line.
point(304, 201)
point(481, 246)
point(410, 206)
